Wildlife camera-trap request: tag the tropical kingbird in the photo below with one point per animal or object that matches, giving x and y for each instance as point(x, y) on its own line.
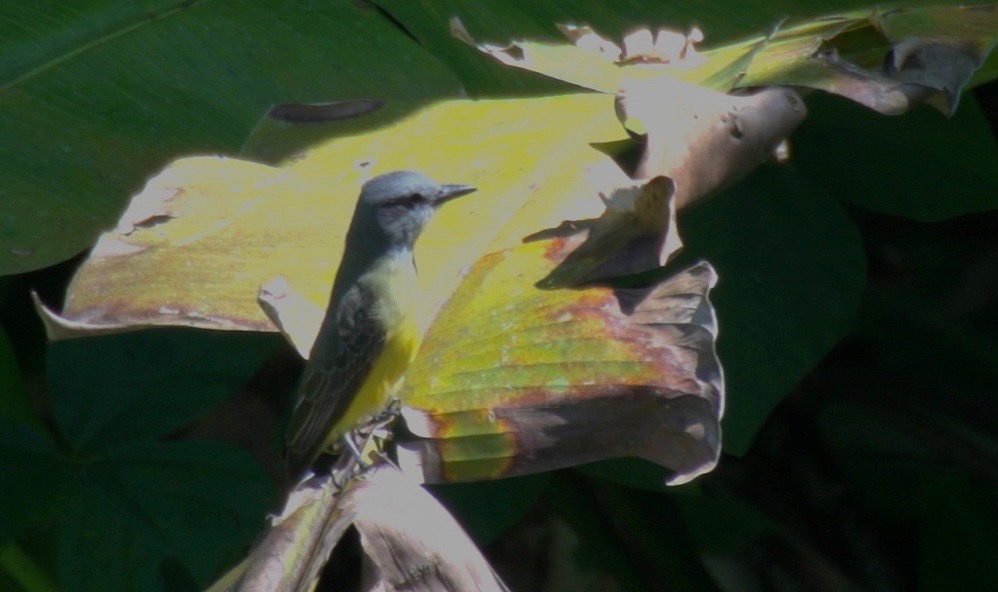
point(369, 335)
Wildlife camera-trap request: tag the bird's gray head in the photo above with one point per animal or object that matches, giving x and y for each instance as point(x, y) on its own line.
point(402, 202)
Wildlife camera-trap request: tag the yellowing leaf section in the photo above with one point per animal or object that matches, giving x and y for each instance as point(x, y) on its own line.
point(514, 379)
point(207, 232)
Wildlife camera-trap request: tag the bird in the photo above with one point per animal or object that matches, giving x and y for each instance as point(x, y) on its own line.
point(368, 336)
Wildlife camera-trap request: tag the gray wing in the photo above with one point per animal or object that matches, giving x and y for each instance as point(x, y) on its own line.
point(349, 342)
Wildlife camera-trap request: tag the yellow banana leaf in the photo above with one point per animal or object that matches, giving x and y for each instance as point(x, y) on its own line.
point(196, 245)
point(513, 379)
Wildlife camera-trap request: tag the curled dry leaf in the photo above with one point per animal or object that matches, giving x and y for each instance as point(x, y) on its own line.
point(887, 60)
point(935, 72)
point(410, 538)
point(295, 549)
point(628, 238)
point(296, 317)
point(413, 541)
point(938, 48)
point(703, 139)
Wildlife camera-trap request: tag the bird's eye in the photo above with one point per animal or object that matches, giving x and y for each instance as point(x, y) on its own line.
point(410, 200)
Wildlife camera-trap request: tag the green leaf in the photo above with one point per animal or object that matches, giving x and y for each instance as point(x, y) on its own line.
point(126, 504)
point(724, 526)
point(141, 386)
point(33, 476)
point(14, 401)
point(919, 165)
point(792, 272)
point(96, 95)
point(507, 500)
point(139, 505)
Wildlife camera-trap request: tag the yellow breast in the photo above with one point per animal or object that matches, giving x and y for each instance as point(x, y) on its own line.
point(396, 312)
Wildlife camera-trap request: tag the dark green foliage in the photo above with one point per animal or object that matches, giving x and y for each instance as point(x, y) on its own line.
point(118, 500)
point(876, 471)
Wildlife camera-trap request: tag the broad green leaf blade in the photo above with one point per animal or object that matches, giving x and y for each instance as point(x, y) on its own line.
point(921, 165)
point(974, 21)
point(14, 400)
point(112, 390)
point(139, 505)
point(792, 272)
point(587, 69)
point(723, 525)
point(649, 524)
point(96, 94)
point(512, 379)
point(623, 538)
point(430, 23)
point(509, 502)
point(33, 476)
point(126, 510)
point(788, 46)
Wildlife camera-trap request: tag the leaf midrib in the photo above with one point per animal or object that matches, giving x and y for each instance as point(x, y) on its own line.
point(141, 20)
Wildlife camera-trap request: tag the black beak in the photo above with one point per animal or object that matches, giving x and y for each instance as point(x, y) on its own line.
point(448, 192)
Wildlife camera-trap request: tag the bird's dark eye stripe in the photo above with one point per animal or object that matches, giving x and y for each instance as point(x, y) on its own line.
point(407, 199)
